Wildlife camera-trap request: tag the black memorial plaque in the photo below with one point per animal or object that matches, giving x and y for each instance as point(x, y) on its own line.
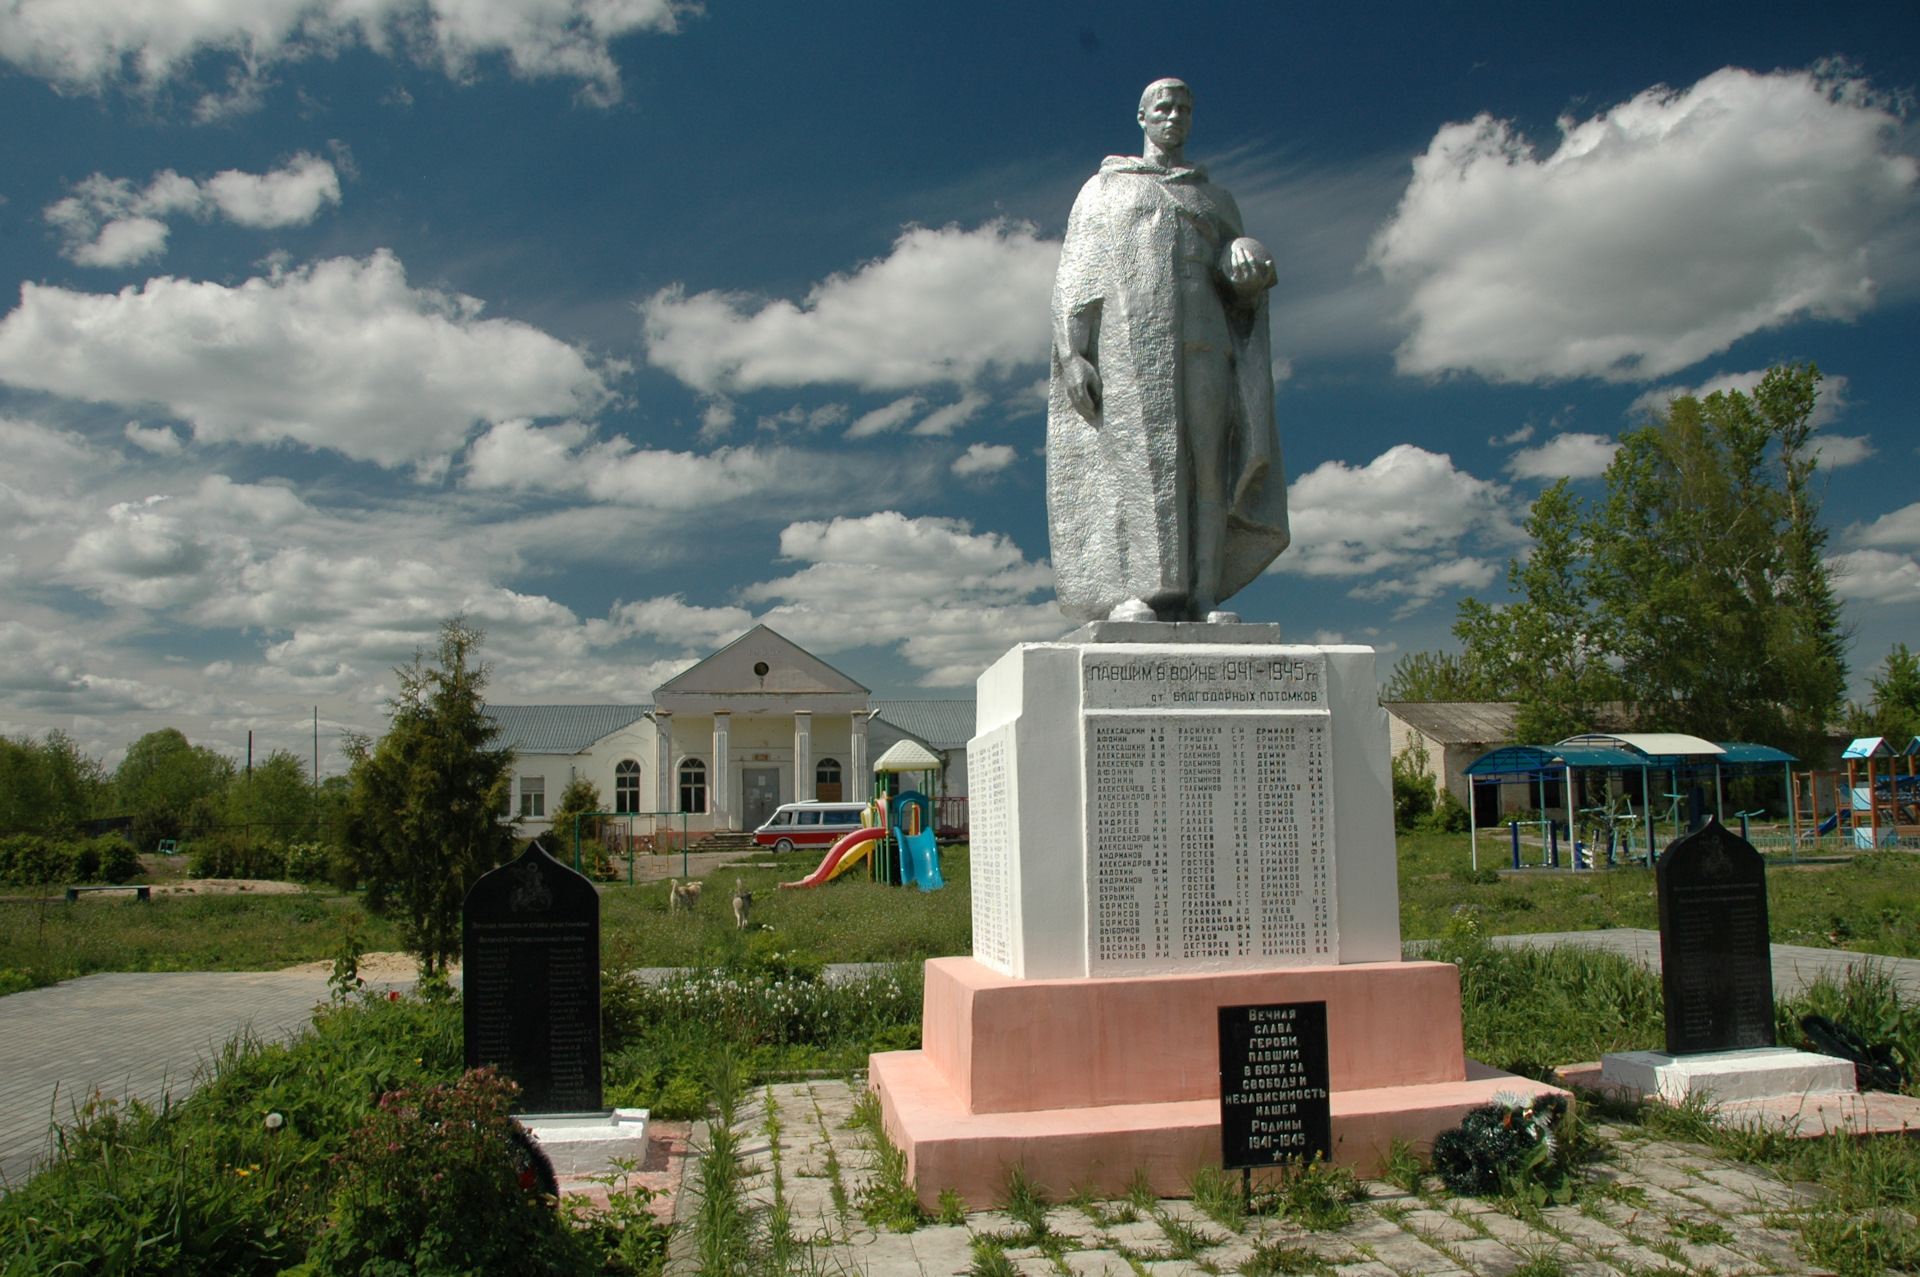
point(530, 948)
point(1716, 966)
point(1274, 1085)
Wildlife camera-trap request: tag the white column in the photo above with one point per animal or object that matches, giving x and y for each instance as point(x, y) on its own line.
point(802, 755)
point(857, 774)
point(717, 788)
point(664, 797)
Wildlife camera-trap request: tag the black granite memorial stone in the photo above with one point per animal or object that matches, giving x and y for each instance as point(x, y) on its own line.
point(530, 948)
point(1716, 966)
point(1274, 1085)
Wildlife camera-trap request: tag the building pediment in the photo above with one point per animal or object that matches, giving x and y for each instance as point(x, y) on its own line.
point(761, 671)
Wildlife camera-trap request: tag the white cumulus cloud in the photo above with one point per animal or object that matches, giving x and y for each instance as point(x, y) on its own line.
point(886, 417)
point(86, 45)
point(341, 354)
point(1842, 450)
point(1654, 235)
point(519, 456)
point(1570, 456)
point(1876, 576)
point(944, 421)
point(945, 306)
point(108, 221)
point(984, 458)
point(1402, 520)
point(1902, 527)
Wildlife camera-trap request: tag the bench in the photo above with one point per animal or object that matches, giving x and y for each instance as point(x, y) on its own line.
point(139, 893)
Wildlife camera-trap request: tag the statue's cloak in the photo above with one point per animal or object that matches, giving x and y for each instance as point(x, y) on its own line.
point(1119, 488)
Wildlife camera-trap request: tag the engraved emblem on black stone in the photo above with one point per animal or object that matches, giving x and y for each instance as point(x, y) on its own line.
point(1274, 1085)
point(530, 951)
point(1716, 964)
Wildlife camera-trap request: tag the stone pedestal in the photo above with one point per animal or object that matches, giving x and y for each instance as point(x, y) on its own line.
point(587, 1144)
point(1166, 820)
point(1200, 801)
point(1752, 1074)
point(1087, 1081)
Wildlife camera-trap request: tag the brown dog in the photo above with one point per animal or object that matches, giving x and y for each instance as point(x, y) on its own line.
point(681, 896)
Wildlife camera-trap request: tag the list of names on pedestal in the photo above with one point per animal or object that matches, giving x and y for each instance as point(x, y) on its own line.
point(1209, 828)
point(991, 851)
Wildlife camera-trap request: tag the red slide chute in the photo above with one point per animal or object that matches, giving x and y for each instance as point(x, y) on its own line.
point(836, 855)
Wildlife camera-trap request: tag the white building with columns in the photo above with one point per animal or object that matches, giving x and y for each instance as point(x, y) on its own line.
point(759, 723)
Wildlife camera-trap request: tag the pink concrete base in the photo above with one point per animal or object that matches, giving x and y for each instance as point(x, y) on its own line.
point(1088, 1081)
point(1102, 1148)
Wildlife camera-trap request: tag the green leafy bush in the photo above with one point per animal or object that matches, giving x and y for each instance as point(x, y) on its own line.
point(237, 855)
point(414, 1181)
point(35, 860)
point(310, 862)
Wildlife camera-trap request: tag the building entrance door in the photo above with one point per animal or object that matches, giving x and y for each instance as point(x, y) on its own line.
point(760, 788)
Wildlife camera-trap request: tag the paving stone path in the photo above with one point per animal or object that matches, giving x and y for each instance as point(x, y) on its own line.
point(1649, 1207)
point(130, 1034)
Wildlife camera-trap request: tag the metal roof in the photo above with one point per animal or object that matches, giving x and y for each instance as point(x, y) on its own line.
point(1535, 760)
point(1745, 752)
point(560, 729)
point(1458, 722)
point(944, 724)
point(1868, 747)
point(1651, 745)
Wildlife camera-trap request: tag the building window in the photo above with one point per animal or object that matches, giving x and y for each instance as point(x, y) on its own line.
point(533, 798)
point(826, 780)
point(693, 786)
point(626, 787)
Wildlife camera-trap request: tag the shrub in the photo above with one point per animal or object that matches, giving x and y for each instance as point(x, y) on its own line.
point(34, 860)
point(237, 855)
point(310, 862)
point(1449, 816)
point(427, 1164)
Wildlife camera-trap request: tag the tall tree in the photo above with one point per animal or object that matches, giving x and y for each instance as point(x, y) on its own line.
point(169, 786)
point(1895, 710)
point(275, 804)
point(1546, 648)
point(1706, 566)
point(48, 785)
point(424, 819)
point(1438, 676)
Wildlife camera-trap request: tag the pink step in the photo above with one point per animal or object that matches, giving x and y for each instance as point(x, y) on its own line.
point(1086, 1081)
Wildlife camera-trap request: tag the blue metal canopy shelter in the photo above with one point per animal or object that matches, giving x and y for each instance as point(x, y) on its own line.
point(1682, 756)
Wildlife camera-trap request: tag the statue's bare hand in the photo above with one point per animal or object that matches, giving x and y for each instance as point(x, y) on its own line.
point(1250, 267)
point(1083, 386)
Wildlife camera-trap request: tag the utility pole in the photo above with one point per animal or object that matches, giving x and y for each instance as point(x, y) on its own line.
point(249, 753)
point(316, 747)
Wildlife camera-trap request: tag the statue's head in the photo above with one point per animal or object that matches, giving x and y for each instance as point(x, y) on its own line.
point(1166, 113)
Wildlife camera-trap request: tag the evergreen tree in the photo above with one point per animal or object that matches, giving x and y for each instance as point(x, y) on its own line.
point(1895, 710)
point(424, 820)
point(1545, 648)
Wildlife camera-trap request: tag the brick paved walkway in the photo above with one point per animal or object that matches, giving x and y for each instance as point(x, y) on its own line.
point(1649, 1207)
point(128, 1034)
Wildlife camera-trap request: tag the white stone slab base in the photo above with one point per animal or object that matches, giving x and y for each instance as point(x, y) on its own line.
point(1753, 1074)
point(588, 1145)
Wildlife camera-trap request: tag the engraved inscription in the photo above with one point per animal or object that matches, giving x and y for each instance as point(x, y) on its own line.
point(1210, 841)
point(991, 835)
point(1277, 678)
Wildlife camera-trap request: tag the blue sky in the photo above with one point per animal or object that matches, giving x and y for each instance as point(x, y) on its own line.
point(621, 324)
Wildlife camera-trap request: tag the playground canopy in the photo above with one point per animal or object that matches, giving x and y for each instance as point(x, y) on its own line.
point(1683, 756)
point(907, 756)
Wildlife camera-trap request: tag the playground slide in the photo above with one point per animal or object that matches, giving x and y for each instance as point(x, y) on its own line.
point(840, 857)
point(925, 854)
point(1828, 825)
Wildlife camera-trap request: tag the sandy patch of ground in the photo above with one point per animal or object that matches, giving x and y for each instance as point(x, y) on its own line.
point(375, 968)
point(226, 887)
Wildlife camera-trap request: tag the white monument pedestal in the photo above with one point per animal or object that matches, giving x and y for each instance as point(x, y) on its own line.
point(1753, 1074)
point(587, 1144)
point(1168, 819)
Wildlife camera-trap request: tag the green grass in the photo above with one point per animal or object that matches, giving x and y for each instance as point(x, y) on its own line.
point(1864, 904)
point(847, 920)
point(242, 932)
